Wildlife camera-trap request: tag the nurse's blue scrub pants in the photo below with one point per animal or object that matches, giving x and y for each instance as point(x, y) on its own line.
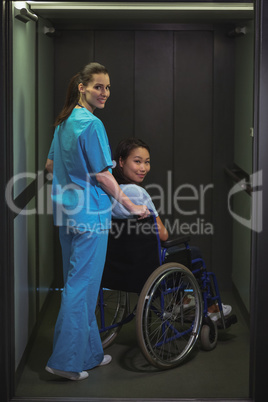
point(77, 344)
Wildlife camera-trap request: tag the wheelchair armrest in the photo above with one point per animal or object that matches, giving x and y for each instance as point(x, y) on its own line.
point(175, 241)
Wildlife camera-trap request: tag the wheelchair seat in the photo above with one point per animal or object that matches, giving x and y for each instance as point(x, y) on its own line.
point(134, 252)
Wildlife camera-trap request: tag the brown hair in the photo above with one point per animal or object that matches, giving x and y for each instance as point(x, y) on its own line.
point(72, 97)
point(122, 152)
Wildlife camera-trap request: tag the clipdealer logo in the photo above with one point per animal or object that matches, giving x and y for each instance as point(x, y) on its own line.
point(169, 200)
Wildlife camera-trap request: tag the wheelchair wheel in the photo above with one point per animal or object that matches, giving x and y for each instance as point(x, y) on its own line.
point(209, 335)
point(110, 311)
point(167, 326)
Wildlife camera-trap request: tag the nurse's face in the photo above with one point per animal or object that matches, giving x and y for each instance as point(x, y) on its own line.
point(137, 165)
point(96, 93)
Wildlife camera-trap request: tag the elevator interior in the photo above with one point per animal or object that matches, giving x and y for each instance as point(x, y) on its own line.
point(182, 79)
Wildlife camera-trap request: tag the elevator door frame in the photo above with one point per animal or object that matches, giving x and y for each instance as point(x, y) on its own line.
point(259, 321)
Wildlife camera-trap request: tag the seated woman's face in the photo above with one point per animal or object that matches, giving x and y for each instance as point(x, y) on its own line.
point(137, 165)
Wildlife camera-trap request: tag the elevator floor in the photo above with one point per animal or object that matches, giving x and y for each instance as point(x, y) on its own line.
point(222, 373)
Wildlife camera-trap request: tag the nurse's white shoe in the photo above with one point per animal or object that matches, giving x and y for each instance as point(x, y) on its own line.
point(106, 360)
point(68, 374)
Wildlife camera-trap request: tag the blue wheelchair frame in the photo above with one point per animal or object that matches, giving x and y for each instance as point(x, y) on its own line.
point(206, 288)
point(207, 278)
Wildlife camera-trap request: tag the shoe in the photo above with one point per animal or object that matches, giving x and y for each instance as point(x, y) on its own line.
point(226, 309)
point(68, 374)
point(106, 360)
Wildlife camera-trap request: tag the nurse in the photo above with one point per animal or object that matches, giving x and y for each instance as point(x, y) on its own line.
point(80, 160)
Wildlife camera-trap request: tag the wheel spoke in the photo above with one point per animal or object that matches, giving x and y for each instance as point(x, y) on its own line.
point(110, 311)
point(169, 327)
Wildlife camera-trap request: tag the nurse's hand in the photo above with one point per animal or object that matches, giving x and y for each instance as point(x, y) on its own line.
point(49, 165)
point(141, 210)
point(111, 187)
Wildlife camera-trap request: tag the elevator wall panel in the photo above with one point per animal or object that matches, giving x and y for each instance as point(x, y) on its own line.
point(243, 156)
point(24, 281)
point(244, 50)
point(23, 102)
point(115, 50)
point(154, 108)
point(241, 206)
point(45, 87)
point(24, 172)
point(223, 155)
point(45, 130)
point(193, 118)
point(73, 49)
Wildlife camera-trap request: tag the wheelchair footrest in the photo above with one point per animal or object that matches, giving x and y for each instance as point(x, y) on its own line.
point(232, 319)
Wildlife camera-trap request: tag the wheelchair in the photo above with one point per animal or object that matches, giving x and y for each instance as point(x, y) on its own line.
point(171, 312)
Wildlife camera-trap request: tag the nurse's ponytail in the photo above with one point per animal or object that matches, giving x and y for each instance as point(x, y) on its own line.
point(73, 94)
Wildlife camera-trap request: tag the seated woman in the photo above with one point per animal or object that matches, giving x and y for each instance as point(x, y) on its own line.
point(132, 157)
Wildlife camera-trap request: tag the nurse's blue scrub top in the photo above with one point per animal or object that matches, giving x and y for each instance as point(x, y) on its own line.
point(79, 149)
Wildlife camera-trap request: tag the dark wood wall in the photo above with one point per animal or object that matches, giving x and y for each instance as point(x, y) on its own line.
point(174, 89)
